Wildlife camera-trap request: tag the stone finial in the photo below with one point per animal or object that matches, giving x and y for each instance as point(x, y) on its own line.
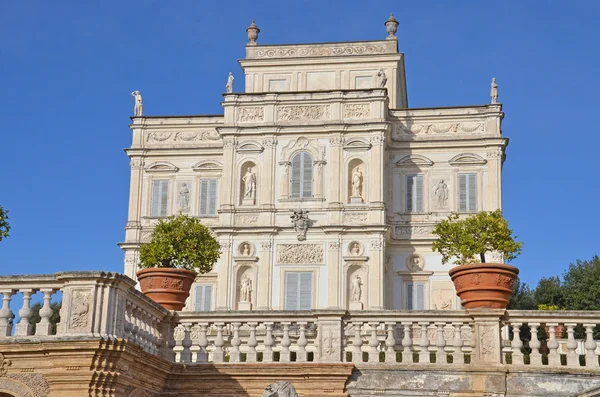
point(253, 32)
point(391, 26)
point(494, 91)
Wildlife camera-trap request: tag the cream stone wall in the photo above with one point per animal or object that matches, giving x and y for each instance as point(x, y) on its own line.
point(324, 100)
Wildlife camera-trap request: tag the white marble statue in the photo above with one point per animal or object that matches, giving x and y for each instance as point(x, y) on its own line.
point(494, 91)
point(356, 288)
point(357, 182)
point(245, 289)
point(184, 197)
point(355, 249)
point(229, 85)
point(138, 108)
point(441, 194)
point(250, 184)
point(381, 78)
point(280, 389)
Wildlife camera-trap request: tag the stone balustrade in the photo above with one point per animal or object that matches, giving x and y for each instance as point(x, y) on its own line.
point(107, 305)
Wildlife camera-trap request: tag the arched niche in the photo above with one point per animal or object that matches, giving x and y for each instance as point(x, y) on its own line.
point(356, 175)
point(244, 272)
point(354, 269)
point(248, 187)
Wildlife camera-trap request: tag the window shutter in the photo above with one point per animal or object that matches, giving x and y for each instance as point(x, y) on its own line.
point(419, 193)
point(164, 199)
point(291, 291)
point(204, 197)
point(307, 175)
point(295, 180)
point(462, 192)
point(409, 193)
point(472, 182)
point(409, 296)
point(207, 298)
point(420, 297)
point(203, 298)
point(212, 197)
point(155, 201)
point(305, 291)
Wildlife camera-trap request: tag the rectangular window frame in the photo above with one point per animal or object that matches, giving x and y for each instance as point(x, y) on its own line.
point(202, 301)
point(471, 192)
point(165, 200)
point(411, 295)
point(299, 304)
point(211, 211)
point(411, 193)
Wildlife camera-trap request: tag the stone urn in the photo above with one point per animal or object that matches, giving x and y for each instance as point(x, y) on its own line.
point(391, 27)
point(166, 286)
point(253, 32)
point(484, 285)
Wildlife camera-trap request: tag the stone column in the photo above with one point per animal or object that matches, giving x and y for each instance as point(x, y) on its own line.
point(494, 189)
point(334, 276)
point(267, 176)
point(486, 336)
point(226, 198)
point(265, 276)
point(376, 275)
point(223, 301)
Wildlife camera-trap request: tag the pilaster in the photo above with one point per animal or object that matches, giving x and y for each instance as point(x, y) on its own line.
point(224, 277)
point(268, 173)
point(376, 275)
point(494, 190)
point(488, 349)
point(334, 275)
point(265, 276)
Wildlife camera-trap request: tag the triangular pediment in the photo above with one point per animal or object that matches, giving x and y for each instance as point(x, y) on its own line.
point(414, 160)
point(161, 166)
point(208, 165)
point(467, 159)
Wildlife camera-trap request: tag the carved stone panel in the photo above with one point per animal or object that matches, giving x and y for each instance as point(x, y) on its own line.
point(299, 254)
point(355, 218)
point(330, 346)
point(251, 114)
point(303, 113)
point(356, 111)
point(407, 232)
point(79, 311)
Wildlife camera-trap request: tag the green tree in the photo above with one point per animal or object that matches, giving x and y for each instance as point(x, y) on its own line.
point(581, 286)
point(549, 291)
point(181, 242)
point(469, 239)
point(522, 297)
point(35, 315)
point(4, 225)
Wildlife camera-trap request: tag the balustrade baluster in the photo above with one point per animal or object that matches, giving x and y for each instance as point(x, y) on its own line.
point(5, 312)
point(357, 343)
point(553, 345)
point(458, 356)
point(572, 356)
point(23, 327)
point(407, 351)
point(219, 343)
point(284, 356)
point(302, 342)
point(535, 358)
point(135, 329)
point(178, 337)
point(591, 360)
point(234, 355)
point(194, 337)
point(517, 344)
point(145, 331)
point(440, 343)
point(269, 342)
point(373, 343)
point(424, 356)
point(186, 354)
point(252, 343)
point(202, 356)
point(390, 343)
point(44, 327)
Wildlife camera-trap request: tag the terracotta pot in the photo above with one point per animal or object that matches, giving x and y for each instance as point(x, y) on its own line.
point(484, 284)
point(559, 331)
point(167, 287)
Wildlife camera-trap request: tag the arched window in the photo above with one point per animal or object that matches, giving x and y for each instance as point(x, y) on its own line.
point(301, 180)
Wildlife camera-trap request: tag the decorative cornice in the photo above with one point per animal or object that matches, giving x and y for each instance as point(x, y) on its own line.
point(467, 159)
point(322, 50)
point(208, 165)
point(161, 166)
point(414, 160)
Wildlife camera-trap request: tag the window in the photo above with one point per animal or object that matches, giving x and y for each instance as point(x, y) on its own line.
point(302, 176)
point(203, 295)
point(415, 296)
point(414, 193)
point(467, 192)
point(160, 198)
point(298, 290)
point(208, 197)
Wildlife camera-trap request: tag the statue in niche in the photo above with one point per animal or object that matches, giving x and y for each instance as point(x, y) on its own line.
point(357, 182)
point(381, 78)
point(280, 389)
point(245, 249)
point(246, 289)
point(229, 85)
point(138, 108)
point(441, 194)
point(494, 91)
point(356, 288)
point(184, 198)
point(301, 223)
point(249, 186)
point(355, 249)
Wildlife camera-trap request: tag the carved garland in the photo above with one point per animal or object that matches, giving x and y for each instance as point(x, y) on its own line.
point(298, 254)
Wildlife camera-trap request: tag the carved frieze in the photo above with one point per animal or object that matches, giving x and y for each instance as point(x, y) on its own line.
point(405, 232)
point(303, 113)
point(4, 364)
point(247, 219)
point(355, 218)
point(79, 310)
point(266, 246)
point(403, 129)
point(299, 254)
point(322, 50)
point(182, 136)
point(251, 114)
point(356, 110)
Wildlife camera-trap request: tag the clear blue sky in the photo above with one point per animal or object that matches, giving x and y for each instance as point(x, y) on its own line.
point(67, 69)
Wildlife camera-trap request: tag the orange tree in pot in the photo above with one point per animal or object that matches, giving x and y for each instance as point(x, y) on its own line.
point(181, 247)
point(467, 242)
